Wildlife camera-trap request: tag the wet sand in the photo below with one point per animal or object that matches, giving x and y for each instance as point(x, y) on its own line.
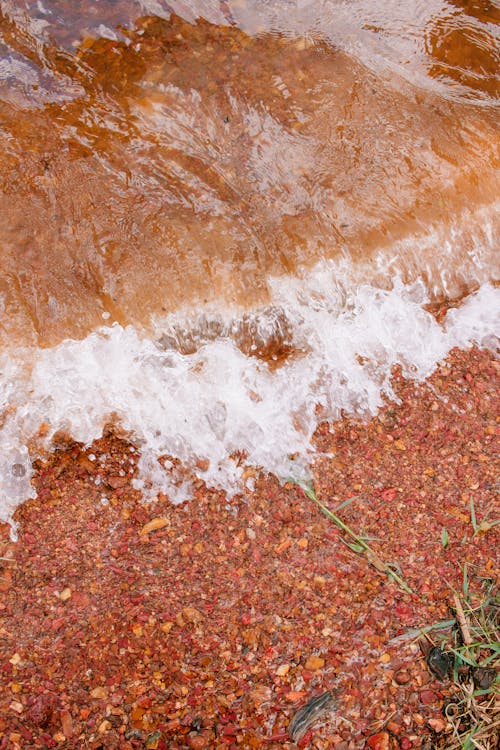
point(209, 627)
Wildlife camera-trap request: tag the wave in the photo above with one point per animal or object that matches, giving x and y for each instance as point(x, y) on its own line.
point(206, 392)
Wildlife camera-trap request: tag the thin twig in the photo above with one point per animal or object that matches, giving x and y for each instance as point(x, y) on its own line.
point(464, 628)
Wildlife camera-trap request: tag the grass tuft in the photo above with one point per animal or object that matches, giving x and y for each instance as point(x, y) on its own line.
point(473, 651)
point(355, 542)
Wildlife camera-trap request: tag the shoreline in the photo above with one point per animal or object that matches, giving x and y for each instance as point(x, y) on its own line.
point(209, 628)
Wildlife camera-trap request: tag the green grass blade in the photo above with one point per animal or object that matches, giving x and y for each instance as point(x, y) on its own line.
point(346, 503)
point(418, 632)
point(465, 583)
point(373, 558)
point(473, 515)
point(444, 537)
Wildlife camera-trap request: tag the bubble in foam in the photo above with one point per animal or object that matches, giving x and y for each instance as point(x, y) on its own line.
point(15, 475)
point(200, 408)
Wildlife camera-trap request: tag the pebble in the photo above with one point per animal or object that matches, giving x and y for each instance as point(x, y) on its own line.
point(379, 741)
point(402, 677)
point(438, 725)
point(427, 697)
point(99, 692)
point(197, 741)
point(314, 662)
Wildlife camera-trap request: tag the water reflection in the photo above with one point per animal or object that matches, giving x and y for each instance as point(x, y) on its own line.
point(153, 163)
point(463, 46)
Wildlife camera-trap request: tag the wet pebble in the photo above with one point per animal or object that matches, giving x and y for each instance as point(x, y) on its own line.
point(402, 677)
point(379, 741)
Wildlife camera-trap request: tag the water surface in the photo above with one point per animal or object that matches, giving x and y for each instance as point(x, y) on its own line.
point(215, 216)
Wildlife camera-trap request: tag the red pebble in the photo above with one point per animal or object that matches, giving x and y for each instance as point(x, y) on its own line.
point(428, 696)
point(389, 494)
point(379, 741)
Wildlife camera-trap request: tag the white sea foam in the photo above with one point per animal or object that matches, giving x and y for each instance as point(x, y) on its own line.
point(217, 400)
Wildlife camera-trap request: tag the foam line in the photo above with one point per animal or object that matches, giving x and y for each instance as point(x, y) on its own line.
point(204, 406)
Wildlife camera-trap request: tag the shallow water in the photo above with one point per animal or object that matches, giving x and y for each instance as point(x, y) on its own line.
point(217, 215)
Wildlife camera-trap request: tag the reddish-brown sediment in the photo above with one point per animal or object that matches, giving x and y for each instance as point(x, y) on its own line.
point(209, 628)
point(188, 163)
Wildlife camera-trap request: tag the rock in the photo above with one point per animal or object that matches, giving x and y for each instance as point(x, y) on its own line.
point(438, 725)
point(427, 697)
point(65, 594)
point(99, 692)
point(154, 525)
point(379, 741)
point(190, 614)
point(402, 677)
point(484, 677)
point(283, 670)
point(115, 482)
point(66, 724)
point(314, 662)
point(197, 741)
point(440, 662)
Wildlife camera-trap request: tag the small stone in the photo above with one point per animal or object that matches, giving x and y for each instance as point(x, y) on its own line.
point(402, 677)
point(15, 659)
point(385, 658)
point(427, 697)
point(302, 543)
point(295, 695)
point(17, 707)
point(190, 614)
point(379, 741)
point(154, 525)
point(65, 594)
point(99, 692)
point(197, 741)
point(66, 724)
point(116, 482)
point(104, 726)
point(152, 740)
point(394, 728)
point(439, 662)
point(484, 677)
point(283, 670)
point(315, 662)
point(18, 470)
point(438, 725)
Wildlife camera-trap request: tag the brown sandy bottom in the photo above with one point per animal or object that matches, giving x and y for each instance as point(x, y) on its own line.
point(211, 631)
